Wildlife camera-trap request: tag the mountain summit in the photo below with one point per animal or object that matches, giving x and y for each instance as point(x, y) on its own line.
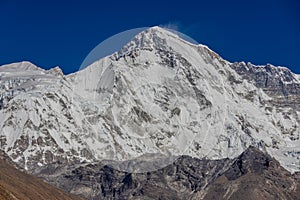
point(159, 96)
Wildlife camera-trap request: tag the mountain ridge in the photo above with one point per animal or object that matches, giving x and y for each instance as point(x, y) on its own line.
point(128, 104)
point(186, 178)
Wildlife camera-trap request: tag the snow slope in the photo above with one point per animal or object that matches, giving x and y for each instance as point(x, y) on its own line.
point(158, 95)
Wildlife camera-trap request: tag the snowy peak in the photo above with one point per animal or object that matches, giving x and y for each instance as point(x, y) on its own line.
point(167, 44)
point(160, 91)
point(152, 38)
point(25, 76)
point(158, 94)
point(26, 68)
point(20, 67)
point(158, 45)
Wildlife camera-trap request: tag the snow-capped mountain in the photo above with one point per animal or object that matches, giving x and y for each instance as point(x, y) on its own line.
point(159, 95)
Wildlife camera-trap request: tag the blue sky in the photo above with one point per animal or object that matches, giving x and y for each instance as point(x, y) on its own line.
point(63, 33)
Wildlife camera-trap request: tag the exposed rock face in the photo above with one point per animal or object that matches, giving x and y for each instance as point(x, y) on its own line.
point(283, 88)
point(278, 82)
point(15, 184)
point(252, 175)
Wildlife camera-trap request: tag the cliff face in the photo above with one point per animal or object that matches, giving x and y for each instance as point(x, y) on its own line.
point(278, 82)
point(252, 175)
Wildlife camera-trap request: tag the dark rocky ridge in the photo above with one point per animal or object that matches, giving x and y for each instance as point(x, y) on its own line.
point(278, 82)
point(252, 175)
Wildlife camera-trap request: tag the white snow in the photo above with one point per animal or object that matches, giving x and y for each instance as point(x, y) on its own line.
point(121, 107)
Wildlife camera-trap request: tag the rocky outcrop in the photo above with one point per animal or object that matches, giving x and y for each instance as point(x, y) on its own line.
point(252, 175)
point(278, 82)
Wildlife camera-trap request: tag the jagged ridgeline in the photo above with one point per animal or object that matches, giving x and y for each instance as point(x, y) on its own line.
point(186, 178)
point(158, 97)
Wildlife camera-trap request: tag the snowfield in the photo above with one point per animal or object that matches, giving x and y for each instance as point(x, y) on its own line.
point(159, 95)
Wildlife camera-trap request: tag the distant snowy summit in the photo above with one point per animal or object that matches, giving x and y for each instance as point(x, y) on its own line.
point(158, 95)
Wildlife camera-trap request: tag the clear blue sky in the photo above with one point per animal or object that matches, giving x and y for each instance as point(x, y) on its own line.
point(51, 33)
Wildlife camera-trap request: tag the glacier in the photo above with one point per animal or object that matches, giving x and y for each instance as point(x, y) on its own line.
point(158, 95)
